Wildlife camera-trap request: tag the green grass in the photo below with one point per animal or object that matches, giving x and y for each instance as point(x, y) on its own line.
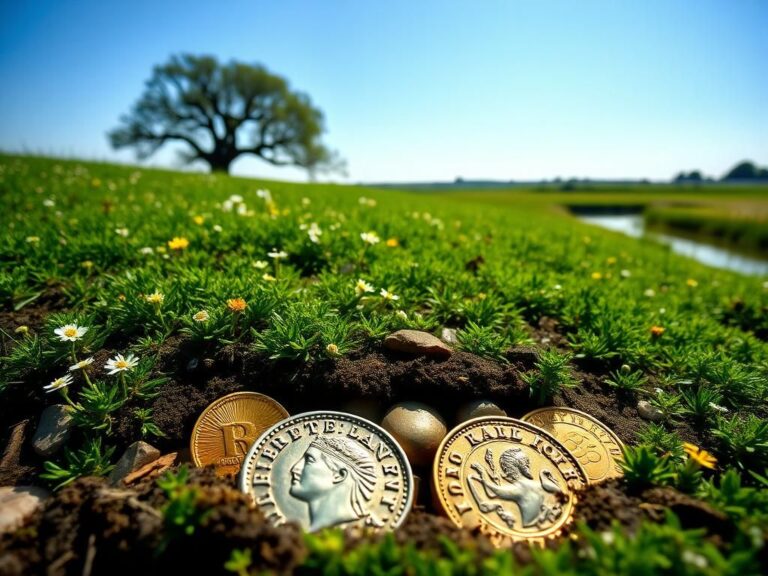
point(99, 241)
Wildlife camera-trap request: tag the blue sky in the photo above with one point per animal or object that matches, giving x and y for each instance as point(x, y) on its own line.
point(420, 90)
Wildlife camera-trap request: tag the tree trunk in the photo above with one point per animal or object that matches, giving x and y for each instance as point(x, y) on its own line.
point(219, 164)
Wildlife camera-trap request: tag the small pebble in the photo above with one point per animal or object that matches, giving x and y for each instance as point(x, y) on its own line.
point(478, 408)
point(417, 342)
point(418, 428)
point(448, 335)
point(135, 456)
point(53, 430)
point(649, 411)
point(17, 503)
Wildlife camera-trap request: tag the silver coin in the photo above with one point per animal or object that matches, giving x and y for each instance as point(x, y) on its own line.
point(326, 468)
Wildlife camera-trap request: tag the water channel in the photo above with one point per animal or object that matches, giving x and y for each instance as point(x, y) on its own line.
point(633, 224)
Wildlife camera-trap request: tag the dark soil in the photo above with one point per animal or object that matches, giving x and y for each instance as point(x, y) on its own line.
point(92, 528)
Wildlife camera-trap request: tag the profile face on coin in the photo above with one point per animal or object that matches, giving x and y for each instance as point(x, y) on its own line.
point(324, 469)
point(510, 479)
point(227, 427)
point(597, 449)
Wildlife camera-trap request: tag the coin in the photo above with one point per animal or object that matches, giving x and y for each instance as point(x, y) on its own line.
point(227, 427)
point(598, 450)
point(508, 478)
point(326, 468)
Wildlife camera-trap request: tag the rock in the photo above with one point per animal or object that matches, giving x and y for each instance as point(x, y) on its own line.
point(478, 408)
point(418, 428)
point(153, 469)
point(53, 430)
point(448, 335)
point(416, 342)
point(136, 456)
point(649, 411)
point(17, 503)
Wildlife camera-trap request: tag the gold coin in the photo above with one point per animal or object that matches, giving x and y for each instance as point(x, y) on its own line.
point(225, 430)
point(594, 445)
point(508, 478)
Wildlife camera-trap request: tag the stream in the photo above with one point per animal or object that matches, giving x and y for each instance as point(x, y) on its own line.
point(716, 256)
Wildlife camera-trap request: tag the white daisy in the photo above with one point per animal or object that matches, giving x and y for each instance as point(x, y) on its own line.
point(361, 287)
point(260, 264)
point(370, 238)
point(201, 316)
point(277, 255)
point(70, 332)
point(120, 363)
point(387, 295)
point(82, 364)
point(59, 383)
point(314, 233)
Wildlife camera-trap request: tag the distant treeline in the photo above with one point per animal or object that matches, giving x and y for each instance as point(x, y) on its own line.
point(743, 171)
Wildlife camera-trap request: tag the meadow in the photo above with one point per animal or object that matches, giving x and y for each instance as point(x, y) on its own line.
point(181, 287)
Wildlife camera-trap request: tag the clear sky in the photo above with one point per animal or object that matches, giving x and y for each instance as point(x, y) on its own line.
point(416, 89)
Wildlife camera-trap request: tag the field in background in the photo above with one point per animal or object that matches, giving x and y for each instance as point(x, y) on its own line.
point(217, 283)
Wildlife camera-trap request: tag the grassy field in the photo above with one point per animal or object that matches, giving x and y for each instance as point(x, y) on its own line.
point(317, 275)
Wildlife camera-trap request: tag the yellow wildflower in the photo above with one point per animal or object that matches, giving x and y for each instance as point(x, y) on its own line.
point(597, 276)
point(198, 220)
point(691, 283)
point(155, 298)
point(178, 243)
point(236, 304)
point(700, 456)
point(657, 331)
point(393, 243)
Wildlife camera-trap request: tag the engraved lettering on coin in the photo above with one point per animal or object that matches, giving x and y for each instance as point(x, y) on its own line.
point(597, 448)
point(508, 478)
point(228, 427)
point(325, 469)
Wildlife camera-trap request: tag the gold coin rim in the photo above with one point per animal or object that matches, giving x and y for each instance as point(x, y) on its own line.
point(589, 417)
point(213, 405)
point(407, 505)
point(437, 495)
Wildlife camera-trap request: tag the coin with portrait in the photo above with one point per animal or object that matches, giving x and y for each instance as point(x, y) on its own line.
point(593, 444)
point(226, 429)
point(326, 468)
point(511, 480)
